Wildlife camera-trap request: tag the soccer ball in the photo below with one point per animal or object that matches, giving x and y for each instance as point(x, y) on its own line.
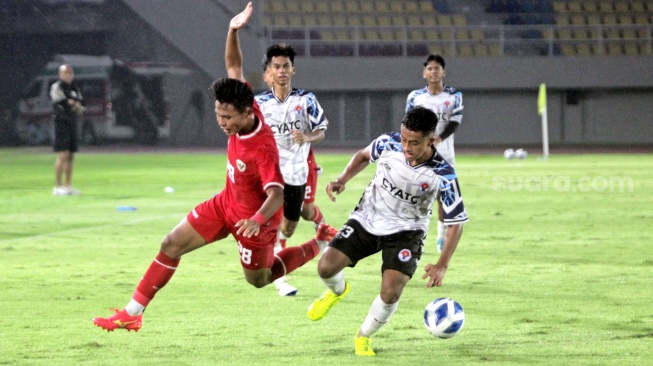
point(521, 154)
point(444, 317)
point(509, 154)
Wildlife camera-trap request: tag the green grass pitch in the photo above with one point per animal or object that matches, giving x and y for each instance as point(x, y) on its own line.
point(555, 267)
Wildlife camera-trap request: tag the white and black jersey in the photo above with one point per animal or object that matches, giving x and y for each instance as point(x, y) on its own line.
point(301, 111)
point(400, 197)
point(448, 106)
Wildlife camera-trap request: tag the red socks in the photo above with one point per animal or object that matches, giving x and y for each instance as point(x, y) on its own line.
point(317, 215)
point(292, 258)
point(156, 276)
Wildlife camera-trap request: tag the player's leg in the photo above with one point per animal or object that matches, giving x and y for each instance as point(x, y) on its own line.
point(401, 254)
point(310, 211)
point(351, 244)
point(204, 224)
point(68, 170)
point(61, 147)
point(292, 203)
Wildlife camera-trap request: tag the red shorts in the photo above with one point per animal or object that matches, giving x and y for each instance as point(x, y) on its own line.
point(311, 180)
point(214, 220)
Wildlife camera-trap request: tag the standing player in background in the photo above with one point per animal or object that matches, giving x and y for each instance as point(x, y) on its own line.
point(392, 217)
point(447, 103)
point(249, 207)
point(297, 120)
point(66, 100)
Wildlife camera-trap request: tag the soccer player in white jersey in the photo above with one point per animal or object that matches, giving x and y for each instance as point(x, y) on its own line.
point(297, 120)
point(447, 103)
point(393, 217)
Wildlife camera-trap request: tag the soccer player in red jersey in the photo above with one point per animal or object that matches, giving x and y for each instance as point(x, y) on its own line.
point(249, 207)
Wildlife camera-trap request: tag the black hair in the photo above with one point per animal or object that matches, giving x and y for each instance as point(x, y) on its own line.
point(434, 57)
point(281, 49)
point(420, 119)
point(234, 92)
point(265, 63)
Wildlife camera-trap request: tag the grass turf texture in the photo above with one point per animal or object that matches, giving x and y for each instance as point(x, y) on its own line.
point(552, 273)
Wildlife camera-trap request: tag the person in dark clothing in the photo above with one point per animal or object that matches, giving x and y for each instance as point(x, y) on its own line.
point(67, 103)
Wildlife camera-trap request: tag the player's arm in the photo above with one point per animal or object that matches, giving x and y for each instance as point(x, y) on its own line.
point(316, 136)
point(358, 162)
point(435, 272)
point(448, 131)
point(233, 56)
point(252, 226)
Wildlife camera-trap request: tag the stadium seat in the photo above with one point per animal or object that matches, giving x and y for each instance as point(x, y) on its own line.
point(367, 6)
point(462, 34)
point(459, 20)
point(562, 19)
point(625, 19)
point(577, 19)
point(621, 6)
point(397, 7)
point(309, 20)
point(295, 20)
point(629, 33)
point(414, 20)
point(369, 21)
point(637, 6)
point(382, 6)
point(614, 49)
point(280, 20)
point(605, 6)
point(399, 20)
point(429, 20)
point(631, 49)
point(580, 33)
point(612, 34)
point(574, 6)
point(583, 49)
point(594, 19)
point(343, 35)
point(352, 7)
point(267, 7)
point(370, 35)
point(336, 6)
point(292, 6)
point(323, 6)
point(477, 34)
point(446, 34)
point(328, 35)
point(560, 6)
point(416, 35)
point(641, 19)
point(444, 20)
point(354, 21)
point(464, 50)
point(307, 6)
point(387, 35)
point(278, 7)
point(431, 34)
point(384, 21)
point(564, 33)
point(426, 6)
point(481, 50)
point(590, 6)
point(609, 19)
point(324, 20)
point(411, 7)
point(598, 49)
point(339, 20)
point(567, 50)
point(495, 50)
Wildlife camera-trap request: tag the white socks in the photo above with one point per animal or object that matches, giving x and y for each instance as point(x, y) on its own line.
point(378, 316)
point(336, 283)
point(134, 308)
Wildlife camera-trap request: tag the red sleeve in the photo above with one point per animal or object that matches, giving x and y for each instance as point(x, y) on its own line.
point(268, 167)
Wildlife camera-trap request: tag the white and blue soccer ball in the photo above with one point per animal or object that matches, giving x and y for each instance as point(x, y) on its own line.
point(444, 317)
point(521, 154)
point(509, 154)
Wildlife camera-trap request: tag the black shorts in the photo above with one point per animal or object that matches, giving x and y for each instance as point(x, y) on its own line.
point(293, 198)
point(401, 251)
point(65, 135)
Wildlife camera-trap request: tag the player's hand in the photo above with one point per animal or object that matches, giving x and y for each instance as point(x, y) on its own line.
point(335, 186)
point(298, 137)
point(241, 19)
point(435, 275)
point(247, 228)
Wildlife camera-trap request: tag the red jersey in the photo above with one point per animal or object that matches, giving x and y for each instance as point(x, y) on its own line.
point(252, 167)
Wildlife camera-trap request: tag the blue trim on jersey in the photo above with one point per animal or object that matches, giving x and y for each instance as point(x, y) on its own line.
point(264, 97)
point(390, 141)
